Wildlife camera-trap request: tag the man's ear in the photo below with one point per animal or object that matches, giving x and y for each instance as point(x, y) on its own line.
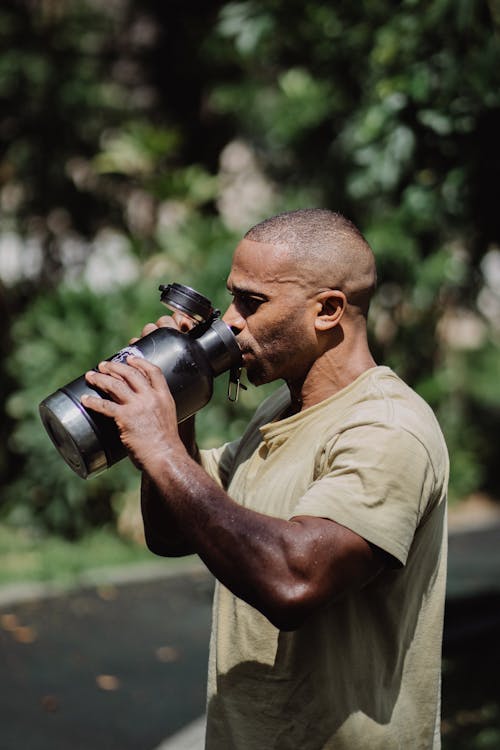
point(332, 305)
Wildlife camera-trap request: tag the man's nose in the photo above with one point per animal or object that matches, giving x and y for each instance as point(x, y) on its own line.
point(233, 319)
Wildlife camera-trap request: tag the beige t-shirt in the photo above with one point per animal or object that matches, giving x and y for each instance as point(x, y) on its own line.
point(365, 671)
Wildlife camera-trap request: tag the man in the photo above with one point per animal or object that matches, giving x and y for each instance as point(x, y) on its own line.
point(324, 525)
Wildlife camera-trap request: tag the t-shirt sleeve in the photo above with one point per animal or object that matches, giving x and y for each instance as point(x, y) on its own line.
point(218, 462)
point(375, 480)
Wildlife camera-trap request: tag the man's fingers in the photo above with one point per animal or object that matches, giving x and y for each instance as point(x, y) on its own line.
point(134, 372)
point(183, 322)
point(137, 398)
point(151, 372)
point(166, 321)
point(117, 388)
point(100, 405)
point(117, 378)
point(148, 328)
point(178, 321)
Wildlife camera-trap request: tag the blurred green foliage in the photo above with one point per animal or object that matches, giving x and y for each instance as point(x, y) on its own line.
point(35, 555)
point(173, 127)
point(59, 337)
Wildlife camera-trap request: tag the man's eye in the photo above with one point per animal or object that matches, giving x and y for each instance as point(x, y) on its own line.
point(246, 303)
point(252, 304)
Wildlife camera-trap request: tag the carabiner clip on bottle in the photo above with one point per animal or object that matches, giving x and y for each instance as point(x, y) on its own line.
point(235, 384)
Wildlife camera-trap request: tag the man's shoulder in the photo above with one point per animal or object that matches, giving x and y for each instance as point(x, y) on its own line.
point(380, 398)
point(403, 406)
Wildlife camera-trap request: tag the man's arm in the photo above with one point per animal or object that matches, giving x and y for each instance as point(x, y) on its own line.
point(162, 533)
point(287, 569)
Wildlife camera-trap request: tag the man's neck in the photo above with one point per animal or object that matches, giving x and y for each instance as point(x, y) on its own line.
point(328, 375)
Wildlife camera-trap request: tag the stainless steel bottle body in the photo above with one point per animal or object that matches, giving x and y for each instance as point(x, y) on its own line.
point(89, 442)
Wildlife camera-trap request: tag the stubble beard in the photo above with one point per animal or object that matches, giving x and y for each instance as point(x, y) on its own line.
point(275, 359)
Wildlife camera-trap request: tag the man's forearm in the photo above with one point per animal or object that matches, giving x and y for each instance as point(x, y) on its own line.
point(161, 530)
point(194, 511)
point(187, 433)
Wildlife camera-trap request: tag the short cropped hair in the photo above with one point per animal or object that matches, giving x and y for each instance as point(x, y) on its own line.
point(328, 246)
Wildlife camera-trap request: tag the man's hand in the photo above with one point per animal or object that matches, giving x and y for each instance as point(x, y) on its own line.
point(141, 405)
point(178, 321)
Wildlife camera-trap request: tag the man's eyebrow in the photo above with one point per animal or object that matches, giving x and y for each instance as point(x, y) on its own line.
point(245, 291)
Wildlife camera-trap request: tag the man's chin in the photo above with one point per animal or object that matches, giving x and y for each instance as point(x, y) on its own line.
point(255, 376)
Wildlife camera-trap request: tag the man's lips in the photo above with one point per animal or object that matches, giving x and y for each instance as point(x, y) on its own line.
point(246, 358)
point(246, 351)
point(243, 349)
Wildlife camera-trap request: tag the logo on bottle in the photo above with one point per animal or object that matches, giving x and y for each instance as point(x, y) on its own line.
point(128, 351)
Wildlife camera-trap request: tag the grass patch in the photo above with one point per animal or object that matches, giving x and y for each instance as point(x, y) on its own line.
point(27, 556)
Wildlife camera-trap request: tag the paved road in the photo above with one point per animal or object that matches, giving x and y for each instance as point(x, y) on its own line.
point(106, 668)
point(473, 590)
point(122, 666)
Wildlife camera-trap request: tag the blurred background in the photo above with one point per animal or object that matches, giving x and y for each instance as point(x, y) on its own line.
point(139, 140)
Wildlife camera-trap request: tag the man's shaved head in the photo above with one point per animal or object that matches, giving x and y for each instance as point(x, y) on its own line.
point(330, 249)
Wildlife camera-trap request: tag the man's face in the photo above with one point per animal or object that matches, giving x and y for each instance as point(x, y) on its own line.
point(272, 313)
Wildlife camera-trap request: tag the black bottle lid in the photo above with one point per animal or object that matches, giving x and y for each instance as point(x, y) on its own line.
point(188, 301)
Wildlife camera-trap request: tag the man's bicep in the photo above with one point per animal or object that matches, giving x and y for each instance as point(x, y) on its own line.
point(339, 561)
